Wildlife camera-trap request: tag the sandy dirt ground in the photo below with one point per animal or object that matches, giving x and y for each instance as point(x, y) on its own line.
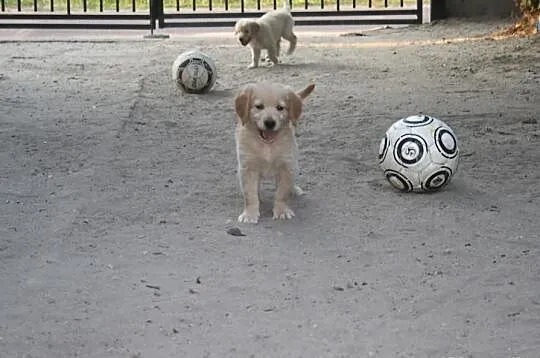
point(116, 192)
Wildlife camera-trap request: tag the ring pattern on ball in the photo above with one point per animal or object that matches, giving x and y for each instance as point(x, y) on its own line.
point(410, 149)
point(446, 150)
point(437, 180)
point(424, 121)
point(199, 61)
point(398, 180)
point(383, 148)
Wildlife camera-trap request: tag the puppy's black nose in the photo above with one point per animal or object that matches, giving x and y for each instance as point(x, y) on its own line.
point(269, 123)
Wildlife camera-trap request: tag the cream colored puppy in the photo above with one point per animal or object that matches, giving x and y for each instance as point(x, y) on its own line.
point(266, 33)
point(266, 144)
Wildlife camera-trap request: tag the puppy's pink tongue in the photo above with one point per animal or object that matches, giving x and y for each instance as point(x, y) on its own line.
point(268, 135)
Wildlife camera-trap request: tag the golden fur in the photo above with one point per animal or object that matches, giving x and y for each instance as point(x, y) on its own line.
point(266, 144)
point(266, 33)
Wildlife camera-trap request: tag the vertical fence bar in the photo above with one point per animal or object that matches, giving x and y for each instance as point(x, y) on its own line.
point(35, 5)
point(3, 5)
point(19, 5)
point(85, 6)
point(194, 5)
point(68, 6)
point(177, 5)
point(152, 10)
point(52, 5)
point(258, 4)
point(337, 5)
point(210, 5)
point(160, 14)
point(275, 4)
point(227, 5)
point(100, 5)
point(242, 6)
point(419, 9)
point(306, 4)
point(156, 15)
point(385, 3)
point(117, 5)
point(133, 6)
point(354, 4)
point(401, 3)
point(370, 4)
point(322, 4)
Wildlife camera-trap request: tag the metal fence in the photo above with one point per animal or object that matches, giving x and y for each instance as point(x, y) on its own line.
point(152, 14)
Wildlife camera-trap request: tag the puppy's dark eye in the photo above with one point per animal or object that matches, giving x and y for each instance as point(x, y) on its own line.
point(259, 106)
point(280, 107)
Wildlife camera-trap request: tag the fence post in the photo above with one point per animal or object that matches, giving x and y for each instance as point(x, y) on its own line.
point(419, 11)
point(438, 9)
point(151, 5)
point(156, 14)
point(160, 14)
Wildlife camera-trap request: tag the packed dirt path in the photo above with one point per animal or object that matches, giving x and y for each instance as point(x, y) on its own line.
point(116, 193)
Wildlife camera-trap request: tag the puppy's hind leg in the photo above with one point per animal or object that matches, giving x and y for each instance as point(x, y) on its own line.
point(272, 55)
point(291, 37)
point(255, 56)
point(267, 57)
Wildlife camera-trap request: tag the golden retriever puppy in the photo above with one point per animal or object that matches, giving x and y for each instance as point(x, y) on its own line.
point(266, 33)
point(266, 144)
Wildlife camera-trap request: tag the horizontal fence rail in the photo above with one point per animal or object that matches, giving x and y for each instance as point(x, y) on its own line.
point(82, 14)
point(211, 13)
point(150, 14)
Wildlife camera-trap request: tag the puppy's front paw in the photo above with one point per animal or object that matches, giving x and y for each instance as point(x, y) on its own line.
point(282, 211)
point(274, 61)
point(249, 216)
point(252, 65)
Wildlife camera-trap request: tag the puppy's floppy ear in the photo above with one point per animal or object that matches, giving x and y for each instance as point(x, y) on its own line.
point(295, 102)
point(238, 26)
point(253, 27)
point(242, 103)
point(295, 107)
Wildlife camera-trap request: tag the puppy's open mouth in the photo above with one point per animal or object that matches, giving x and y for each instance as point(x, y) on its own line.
point(268, 136)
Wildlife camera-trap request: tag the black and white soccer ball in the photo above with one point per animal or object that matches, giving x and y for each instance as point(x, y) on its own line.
point(419, 153)
point(194, 72)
